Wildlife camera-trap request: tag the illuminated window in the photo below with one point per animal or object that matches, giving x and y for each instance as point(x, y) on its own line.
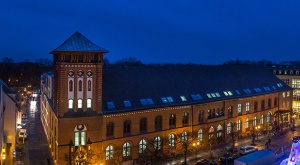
point(262, 119)
point(80, 135)
point(239, 123)
point(184, 136)
point(228, 128)
point(79, 103)
point(142, 146)
point(183, 98)
point(239, 108)
point(157, 143)
point(109, 152)
point(247, 123)
point(247, 107)
point(172, 140)
point(70, 104)
point(89, 103)
point(200, 135)
point(126, 149)
point(219, 131)
point(254, 121)
point(269, 117)
point(167, 99)
point(185, 118)
point(172, 120)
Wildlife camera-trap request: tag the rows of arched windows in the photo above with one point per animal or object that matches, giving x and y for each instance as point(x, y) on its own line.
point(80, 84)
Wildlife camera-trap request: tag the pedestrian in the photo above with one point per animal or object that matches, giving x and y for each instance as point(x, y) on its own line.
point(269, 141)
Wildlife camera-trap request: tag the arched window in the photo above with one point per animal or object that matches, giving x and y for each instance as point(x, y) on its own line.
point(126, 149)
point(262, 119)
point(269, 103)
point(239, 123)
point(275, 102)
point(158, 123)
point(110, 129)
point(79, 103)
point(269, 117)
point(172, 120)
point(126, 127)
point(157, 143)
point(70, 85)
point(184, 136)
point(89, 103)
point(254, 121)
point(219, 131)
point(185, 118)
point(172, 139)
point(200, 135)
point(70, 104)
point(89, 85)
point(247, 123)
point(142, 146)
point(211, 132)
point(201, 116)
point(255, 106)
point(80, 135)
point(262, 104)
point(80, 85)
point(143, 125)
point(228, 128)
point(109, 152)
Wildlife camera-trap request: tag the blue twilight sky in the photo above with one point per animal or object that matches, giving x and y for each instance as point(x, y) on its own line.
point(155, 31)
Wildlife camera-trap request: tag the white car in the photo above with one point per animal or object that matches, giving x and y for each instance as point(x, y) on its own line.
point(247, 150)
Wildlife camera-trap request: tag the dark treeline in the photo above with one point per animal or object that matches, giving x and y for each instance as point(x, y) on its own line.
point(26, 73)
point(23, 74)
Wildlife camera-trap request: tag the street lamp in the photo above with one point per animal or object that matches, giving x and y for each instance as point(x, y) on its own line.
point(71, 145)
point(196, 145)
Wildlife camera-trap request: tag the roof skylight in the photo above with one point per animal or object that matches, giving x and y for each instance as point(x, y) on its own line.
point(147, 101)
point(127, 103)
point(196, 97)
point(110, 105)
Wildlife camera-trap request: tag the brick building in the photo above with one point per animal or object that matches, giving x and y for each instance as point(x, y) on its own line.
point(98, 114)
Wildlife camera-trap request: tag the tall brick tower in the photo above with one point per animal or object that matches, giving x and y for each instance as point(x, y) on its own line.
point(77, 99)
point(78, 77)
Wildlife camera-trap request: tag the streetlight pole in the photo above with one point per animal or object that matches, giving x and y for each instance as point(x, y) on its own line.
point(71, 144)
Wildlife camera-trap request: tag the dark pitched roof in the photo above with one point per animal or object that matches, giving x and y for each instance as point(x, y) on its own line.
point(133, 83)
point(79, 43)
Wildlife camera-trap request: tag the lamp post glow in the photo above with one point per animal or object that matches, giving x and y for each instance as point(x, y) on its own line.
point(196, 145)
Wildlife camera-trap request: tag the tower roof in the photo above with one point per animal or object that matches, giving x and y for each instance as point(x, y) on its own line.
point(78, 43)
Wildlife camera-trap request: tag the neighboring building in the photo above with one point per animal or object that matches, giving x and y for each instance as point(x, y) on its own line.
point(290, 74)
point(8, 116)
point(101, 114)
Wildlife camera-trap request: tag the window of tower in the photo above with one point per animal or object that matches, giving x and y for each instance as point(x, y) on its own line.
point(79, 103)
point(70, 105)
point(89, 103)
point(70, 85)
point(80, 85)
point(89, 85)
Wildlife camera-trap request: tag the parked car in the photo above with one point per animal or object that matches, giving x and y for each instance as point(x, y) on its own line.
point(205, 162)
point(296, 139)
point(228, 157)
point(247, 150)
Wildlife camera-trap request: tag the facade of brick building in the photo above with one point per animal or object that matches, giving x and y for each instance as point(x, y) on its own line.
point(108, 114)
